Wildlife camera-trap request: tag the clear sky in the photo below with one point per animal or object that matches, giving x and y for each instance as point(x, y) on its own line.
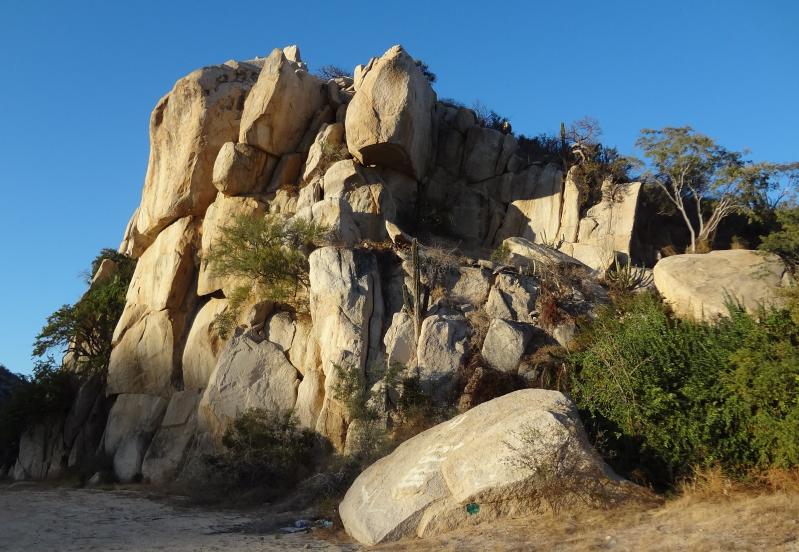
point(79, 80)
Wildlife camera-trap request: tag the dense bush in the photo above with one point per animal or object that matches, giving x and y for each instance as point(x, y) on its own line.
point(270, 253)
point(84, 331)
point(665, 396)
point(45, 395)
point(784, 240)
point(265, 452)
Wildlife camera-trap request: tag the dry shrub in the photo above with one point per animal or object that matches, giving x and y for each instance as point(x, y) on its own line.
point(483, 384)
point(479, 322)
point(559, 477)
point(669, 251)
point(547, 368)
point(702, 246)
point(549, 312)
point(712, 485)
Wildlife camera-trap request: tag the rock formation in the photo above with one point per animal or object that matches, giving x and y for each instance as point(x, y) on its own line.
point(378, 160)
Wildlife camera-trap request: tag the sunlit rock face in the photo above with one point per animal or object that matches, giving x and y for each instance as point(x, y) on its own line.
point(379, 161)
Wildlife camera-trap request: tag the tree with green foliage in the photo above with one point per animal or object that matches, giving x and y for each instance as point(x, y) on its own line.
point(269, 253)
point(784, 240)
point(85, 328)
point(704, 181)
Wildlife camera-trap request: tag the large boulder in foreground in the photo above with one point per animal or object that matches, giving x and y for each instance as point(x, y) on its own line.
point(699, 286)
point(481, 465)
point(389, 121)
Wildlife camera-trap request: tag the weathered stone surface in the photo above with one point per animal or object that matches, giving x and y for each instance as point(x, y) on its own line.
point(512, 298)
point(143, 359)
point(570, 215)
point(328, 145)
point(81, 408)
point(607, 228)
point(697, 286)
point(423, 487)
point(399, 340)
point(166, 452)
point(203, 345)
point(542, 212)
point(441, 351)
point(525, 253)
point(389, 121)
point(148, 336)
point(280, 330)
point(107, 269)
point(133, 420)
point(249, 374)
point(163, 274)
point(280, 106)
point(347, 318)
point(222, 212)
point(41, 451)
point(469, 285)
point(310, 398)
point(504, 345)
point(335, 214)
point(241, 169)
point(187, 129)
point(481, 155)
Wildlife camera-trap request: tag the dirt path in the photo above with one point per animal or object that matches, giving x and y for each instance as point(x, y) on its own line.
point(38, 518)
point(34, 519)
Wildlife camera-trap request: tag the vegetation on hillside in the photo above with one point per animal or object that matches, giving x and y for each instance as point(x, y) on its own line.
point(665, 396)
point(83, 330)
point(706, 182)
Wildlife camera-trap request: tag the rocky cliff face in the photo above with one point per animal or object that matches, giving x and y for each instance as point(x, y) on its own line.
point(375, 158)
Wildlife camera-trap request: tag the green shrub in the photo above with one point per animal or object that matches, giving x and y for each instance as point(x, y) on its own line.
point(266, 453)
point(46, 395)
point(270, 254)
point(669, 395)
point(785, 240)
point(85, 329)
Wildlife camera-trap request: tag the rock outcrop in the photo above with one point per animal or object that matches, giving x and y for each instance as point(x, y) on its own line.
point(699, 286)
point(378, 161)
point(390, 119)
point(468, 470)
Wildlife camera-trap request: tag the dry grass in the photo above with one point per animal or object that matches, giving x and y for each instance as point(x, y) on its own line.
point(710, 515)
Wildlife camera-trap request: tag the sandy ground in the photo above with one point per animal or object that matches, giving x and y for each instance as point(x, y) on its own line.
point(46, 519)
point(39, 518)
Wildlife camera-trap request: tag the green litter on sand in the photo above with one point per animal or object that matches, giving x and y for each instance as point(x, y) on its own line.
point(472, 508)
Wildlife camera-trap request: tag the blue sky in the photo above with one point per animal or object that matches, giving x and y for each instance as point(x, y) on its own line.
point(79, 80)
